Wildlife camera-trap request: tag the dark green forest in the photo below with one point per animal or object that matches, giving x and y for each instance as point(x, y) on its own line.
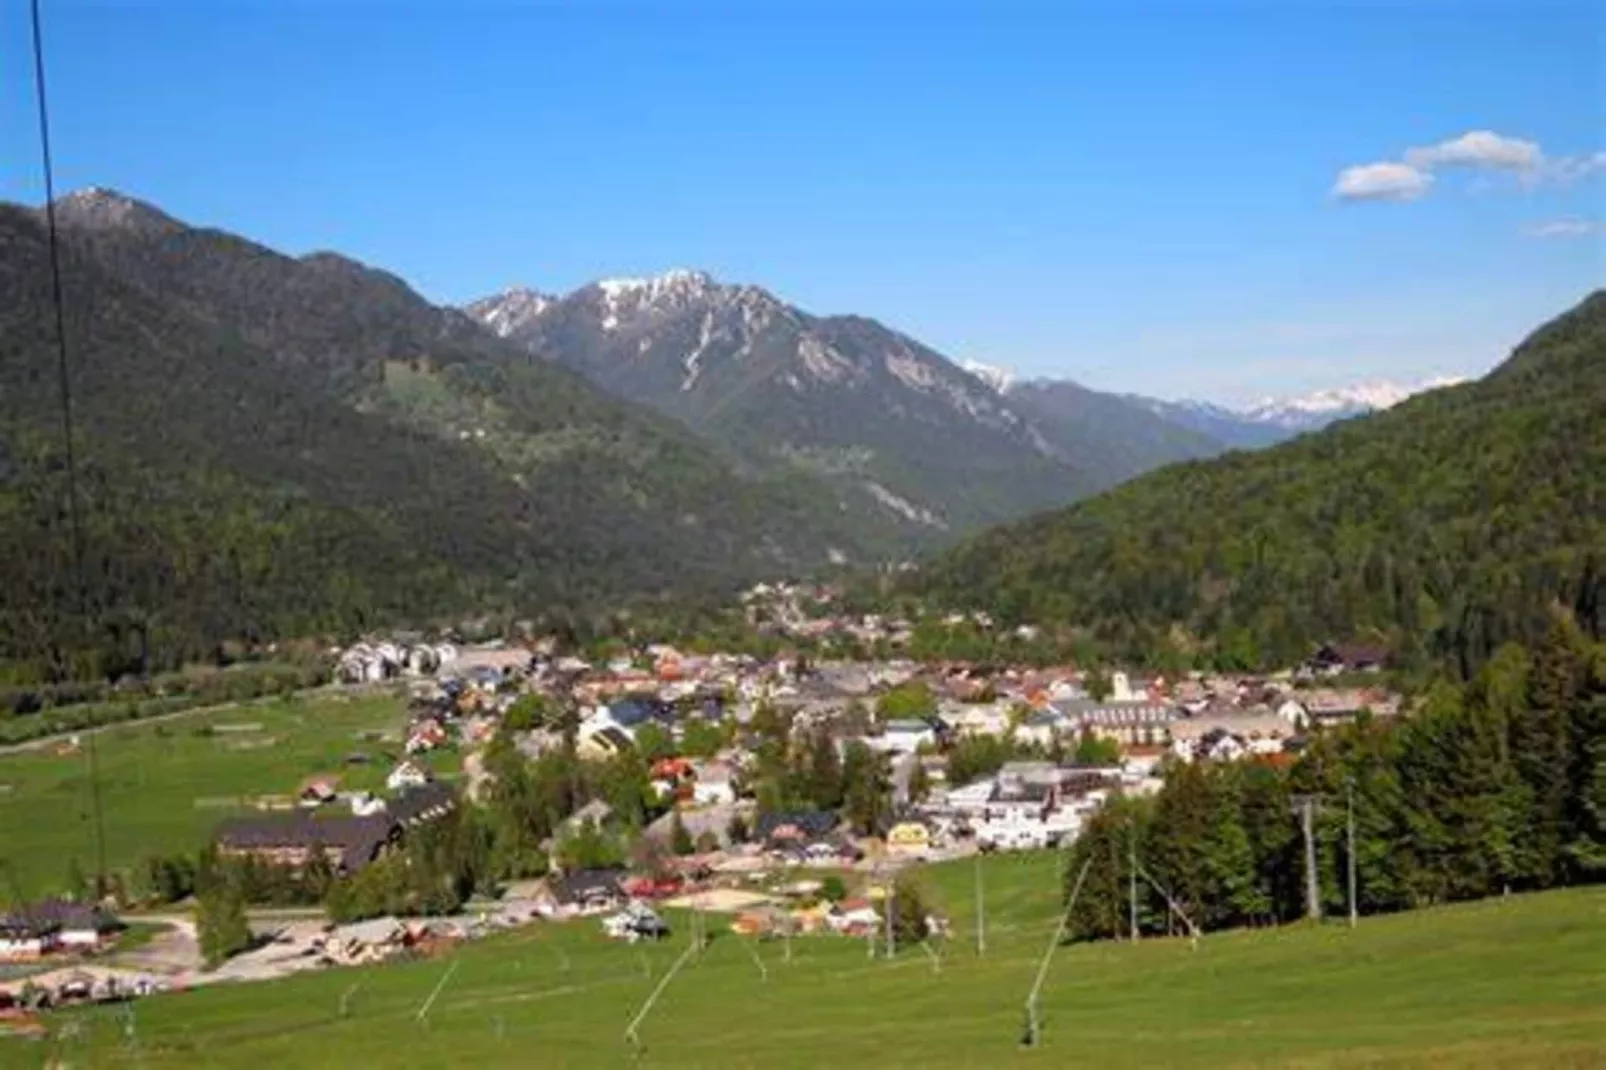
point(269, 447)
point(1497, 785)
point(1445, 527)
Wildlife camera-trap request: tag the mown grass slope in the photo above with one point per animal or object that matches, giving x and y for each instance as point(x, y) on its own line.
point(1514, 982)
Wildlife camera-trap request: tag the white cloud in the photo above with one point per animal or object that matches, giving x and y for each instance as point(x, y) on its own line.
point(1477, 148)
point(1382, 182)
point(1483, 150)
point(1563, 228)
point(1565, 170)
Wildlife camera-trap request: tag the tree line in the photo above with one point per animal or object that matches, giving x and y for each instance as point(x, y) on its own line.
point(1495, 785)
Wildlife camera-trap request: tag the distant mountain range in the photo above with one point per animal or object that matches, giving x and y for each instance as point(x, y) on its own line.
point(1273, 420)
point(939, 446)
point(895, 427)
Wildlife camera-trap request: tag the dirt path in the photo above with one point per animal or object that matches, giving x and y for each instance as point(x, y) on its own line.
point(174, 950)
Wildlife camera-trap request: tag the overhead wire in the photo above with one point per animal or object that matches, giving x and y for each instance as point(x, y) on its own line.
point(63, 366)
point(64, 391)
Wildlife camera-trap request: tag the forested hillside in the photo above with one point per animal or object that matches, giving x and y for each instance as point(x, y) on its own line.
point(1116, 439)
point(277, 447)
point(1445, 526)
point(1494, 787)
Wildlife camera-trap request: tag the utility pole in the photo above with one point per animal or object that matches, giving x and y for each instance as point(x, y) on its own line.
point(981, 912)
point(892, 906)
point(100, 821)
point(1030, 1036)
point(1305, 806)
point(1132, 877)
point(1349, 801)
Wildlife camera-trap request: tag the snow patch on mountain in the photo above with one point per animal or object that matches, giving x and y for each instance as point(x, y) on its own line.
point(1000, 379)
point(624, 299)
point(107, 209)
point(910, 370)
point(903, 507)
point(693, 360)
point(822, 361)
point(673, 281)
point(511, 309)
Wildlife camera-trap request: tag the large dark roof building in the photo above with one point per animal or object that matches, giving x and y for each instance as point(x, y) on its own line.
point(350, 842)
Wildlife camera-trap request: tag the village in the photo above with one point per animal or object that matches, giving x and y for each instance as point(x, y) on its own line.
point(968, 758)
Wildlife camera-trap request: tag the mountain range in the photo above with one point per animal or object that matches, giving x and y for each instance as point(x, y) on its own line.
point(943, 446)
point(1443, 526)
point(273, 445)
point(1273, 420)
point(893, 426)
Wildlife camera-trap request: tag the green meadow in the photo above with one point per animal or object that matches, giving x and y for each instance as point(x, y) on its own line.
point(1502, 983)
point(164, 785)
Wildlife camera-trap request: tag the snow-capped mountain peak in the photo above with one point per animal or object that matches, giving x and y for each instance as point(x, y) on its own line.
point(674, 281)
point(622, 299)
point(511, 309)
point(997, 378)
point(101, 208)
point(1324, 406)
point(1275, 419)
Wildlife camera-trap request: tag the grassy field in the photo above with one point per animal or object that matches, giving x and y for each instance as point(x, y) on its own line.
point(1515, 982)
point(165, 785)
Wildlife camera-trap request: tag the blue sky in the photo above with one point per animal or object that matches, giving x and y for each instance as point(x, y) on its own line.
point(1142, 197)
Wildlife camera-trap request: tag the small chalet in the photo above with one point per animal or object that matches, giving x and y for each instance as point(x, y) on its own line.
point(406, 775)
point(904, 737)
point(55, 925)
point(713, 784)
point(317, 791)
point(797, 828)
point(24, 939)
point(426, 735)
point(588, 891)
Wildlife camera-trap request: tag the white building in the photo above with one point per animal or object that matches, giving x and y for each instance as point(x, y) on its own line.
point(985, 719)
point(407, 775)
point(711, 785)
point(903, 737)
